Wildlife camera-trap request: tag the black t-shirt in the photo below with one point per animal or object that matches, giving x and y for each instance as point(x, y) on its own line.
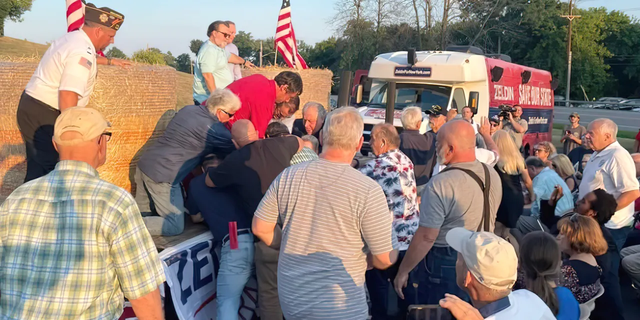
point(299, 130)
point(218, 207)
point(251, 169)
point(421, 149)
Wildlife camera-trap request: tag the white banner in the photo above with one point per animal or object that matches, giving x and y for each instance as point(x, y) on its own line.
point(189, 268)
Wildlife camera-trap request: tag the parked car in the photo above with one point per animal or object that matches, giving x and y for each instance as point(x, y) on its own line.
point(630, 104)
point(559, 101)
point(602, 103)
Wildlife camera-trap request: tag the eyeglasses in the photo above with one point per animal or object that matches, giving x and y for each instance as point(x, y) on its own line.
point(226, 35)
point(539, 150)
point(494, 125)
point(107, 135)
point(227, 113)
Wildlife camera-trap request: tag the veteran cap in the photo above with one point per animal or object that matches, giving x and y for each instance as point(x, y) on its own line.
point(436, 110)
point(103, 16)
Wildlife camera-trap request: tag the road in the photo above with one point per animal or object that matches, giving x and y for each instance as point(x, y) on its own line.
point(626, 120)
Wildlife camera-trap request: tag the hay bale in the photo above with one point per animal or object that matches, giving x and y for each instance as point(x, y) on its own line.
point(138, 101)
point(316, 82)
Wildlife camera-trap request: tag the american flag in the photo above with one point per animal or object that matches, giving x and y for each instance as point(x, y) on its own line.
point(75, 15)
point(286, 38)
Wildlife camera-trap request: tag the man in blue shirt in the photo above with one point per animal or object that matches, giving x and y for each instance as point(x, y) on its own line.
point(211, 69)
point(545, 181)
point(194, 132)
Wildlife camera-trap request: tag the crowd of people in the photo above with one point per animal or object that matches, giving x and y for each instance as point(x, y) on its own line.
point(439, 217)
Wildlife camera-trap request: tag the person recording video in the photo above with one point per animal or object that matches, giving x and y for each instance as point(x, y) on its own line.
point(515, 125)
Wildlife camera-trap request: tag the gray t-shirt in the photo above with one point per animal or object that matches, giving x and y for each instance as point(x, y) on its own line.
point(577, 132)
point(453, 199)
point(331, 216)
point(517, 137)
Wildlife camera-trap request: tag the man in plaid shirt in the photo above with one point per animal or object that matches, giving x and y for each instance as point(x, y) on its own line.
point(73, 246)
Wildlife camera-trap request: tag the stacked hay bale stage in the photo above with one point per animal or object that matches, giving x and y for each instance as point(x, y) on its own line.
point(317, 83)
point(139, 101)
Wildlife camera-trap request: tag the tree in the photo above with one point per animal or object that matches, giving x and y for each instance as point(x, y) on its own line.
point(195, 45)
point(183, 63)
point(114, 52)
point(12, 10)
point(248, 48)
point(150, 56)
point(170, 60)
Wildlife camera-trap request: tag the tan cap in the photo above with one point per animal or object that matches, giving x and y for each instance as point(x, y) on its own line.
point(89, 123)
point(491, 259)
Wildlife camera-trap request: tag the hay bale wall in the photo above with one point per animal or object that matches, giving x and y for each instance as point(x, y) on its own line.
point(138, 101)
point(316, 83)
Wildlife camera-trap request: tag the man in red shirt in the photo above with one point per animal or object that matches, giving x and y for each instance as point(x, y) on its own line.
point(259, 96)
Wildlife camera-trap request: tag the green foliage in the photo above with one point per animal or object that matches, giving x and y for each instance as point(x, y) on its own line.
point(13, 10)
point(195, 45)
point(114, 52)
point(170, 60)
point(150, 56)
point(183, 63)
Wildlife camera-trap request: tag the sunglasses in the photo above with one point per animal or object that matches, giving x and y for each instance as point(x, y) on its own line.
point(227, 113)
point(494, 125)
point(539, 150)
point(226, 35)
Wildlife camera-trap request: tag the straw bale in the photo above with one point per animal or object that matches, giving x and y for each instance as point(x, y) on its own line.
point(138, 101)
point(317, 83)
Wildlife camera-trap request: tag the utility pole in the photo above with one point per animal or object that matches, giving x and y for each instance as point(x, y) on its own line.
point(570, 17)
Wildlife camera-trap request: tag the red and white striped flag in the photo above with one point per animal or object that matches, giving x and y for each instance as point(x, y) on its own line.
point(75, 15)
point(286, 38)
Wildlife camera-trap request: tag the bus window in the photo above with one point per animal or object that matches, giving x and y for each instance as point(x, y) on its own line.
point(458, 100)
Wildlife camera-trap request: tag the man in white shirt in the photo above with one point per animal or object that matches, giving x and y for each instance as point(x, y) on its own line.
point(486, 269)
point(235, 69)
point(612, 169)
point(64, 78)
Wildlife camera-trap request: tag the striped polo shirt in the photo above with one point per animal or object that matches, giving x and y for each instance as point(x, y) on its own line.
point(332, 216)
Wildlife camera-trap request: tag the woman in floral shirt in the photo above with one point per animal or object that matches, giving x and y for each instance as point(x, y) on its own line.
point(393, 170)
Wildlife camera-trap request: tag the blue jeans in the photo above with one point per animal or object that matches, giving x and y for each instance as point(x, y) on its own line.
point(161, 205)
point(236, 267)
point(440, 276)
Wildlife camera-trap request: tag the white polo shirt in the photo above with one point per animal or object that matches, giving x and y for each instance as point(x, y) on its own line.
point(524, 304)
point(612, 170)
point(69, 65)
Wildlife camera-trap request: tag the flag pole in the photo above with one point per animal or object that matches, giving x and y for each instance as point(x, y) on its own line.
point(275, 59)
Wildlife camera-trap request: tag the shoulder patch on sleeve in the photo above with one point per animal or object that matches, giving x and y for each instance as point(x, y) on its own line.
point(85, 63)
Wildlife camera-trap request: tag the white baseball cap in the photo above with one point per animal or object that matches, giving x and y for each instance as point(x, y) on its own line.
point(491, 259)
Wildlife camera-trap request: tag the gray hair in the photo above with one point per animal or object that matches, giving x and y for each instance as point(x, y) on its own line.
point(607, 126)
point(314, 142)
point(343, 129)
point(322, 112)
point(410, 117)
point(387, 132)
point(223, 99)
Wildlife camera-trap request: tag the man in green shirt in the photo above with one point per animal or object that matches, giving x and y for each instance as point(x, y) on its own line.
point(211, 69)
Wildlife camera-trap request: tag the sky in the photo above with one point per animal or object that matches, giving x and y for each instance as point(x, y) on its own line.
point(170, 25)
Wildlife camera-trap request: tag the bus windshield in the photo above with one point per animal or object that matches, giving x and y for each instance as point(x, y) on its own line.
point(410, 94)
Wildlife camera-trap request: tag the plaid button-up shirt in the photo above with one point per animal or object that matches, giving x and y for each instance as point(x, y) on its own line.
point(303, 155)
point(72, 246)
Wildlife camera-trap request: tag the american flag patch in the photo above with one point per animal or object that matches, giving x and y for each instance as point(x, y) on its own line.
point(85, 63)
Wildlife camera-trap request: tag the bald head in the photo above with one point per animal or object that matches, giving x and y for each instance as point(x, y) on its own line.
point(636, 160)
point(456, 142)
point(243, 132)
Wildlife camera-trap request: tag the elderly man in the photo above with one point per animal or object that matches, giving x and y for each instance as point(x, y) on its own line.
point(317, 278)
point(64, 78)
point(611, 168)
point(516, 126)
point(420, 148)
point(74, 246)
point(451, 199)
point(313, 114)
point(211, 71)
point(545, 181)
point(393, 171)
point(235, 69)
point(249, 171)
point(260, 95)
point(279, 129)
point(194, 132)
point(486, 269)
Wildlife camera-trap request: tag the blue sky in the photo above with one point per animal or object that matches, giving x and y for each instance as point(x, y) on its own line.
point(170, 25)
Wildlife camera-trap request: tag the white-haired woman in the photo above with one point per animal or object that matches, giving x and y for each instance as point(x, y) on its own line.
point(562, 165)
point(544, 150)
point(512, 170)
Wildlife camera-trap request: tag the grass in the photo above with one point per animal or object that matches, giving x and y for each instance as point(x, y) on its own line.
point(557, 134)
point(16, 48)
point(12, 48)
